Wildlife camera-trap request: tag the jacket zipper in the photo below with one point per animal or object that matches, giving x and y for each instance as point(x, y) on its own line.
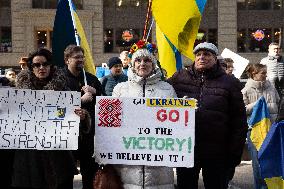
point(144, 87)
point(143, 167)
point(201, 90)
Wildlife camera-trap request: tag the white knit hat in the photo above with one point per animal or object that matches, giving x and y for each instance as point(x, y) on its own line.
point(143, 53)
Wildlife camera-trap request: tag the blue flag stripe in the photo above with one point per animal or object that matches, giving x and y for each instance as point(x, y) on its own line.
point(260, 114)
point(201, 5)
point(177, 55)
point(271, 153)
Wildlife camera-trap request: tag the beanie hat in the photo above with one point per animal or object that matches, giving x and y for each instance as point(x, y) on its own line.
point(113, 61)
point(206, 46)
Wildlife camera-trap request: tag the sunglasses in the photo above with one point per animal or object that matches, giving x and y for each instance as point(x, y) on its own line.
point(38, 65)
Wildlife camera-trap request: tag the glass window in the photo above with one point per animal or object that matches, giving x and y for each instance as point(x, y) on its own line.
point(201, 37)
point(44, 39)
point(78, 4)
point(108, 40)
point(108, 3)
point(123, 41)
point(131, 3)
point(52, 4)
point(259, 4)
point(257, 44)
point(44, 4)
point(241, 40)
point(115, 40)
point(257, 40)
point(209, 35)
point(241, 4)
point(277, 35)
point(5, 40)
point(277, 4)
point(5, 3)
point(212, 36)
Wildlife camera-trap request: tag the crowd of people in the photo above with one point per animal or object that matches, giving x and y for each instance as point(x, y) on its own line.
point(221, 128)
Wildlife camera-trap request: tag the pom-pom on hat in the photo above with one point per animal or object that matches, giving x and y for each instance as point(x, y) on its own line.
point(113, 61)
point(206, 46)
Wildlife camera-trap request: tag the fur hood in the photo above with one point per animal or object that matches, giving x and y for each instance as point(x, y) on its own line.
point(27, 80)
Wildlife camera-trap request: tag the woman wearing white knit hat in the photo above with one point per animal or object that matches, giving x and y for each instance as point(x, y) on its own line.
point(144, 80)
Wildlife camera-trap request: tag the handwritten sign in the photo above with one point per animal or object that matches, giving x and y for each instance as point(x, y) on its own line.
point(140, 131)
point(39, 119)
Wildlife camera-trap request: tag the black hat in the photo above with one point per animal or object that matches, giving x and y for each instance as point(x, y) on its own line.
point(113, 61)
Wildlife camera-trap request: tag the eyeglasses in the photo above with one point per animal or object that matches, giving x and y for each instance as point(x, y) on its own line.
point(38, 65)
point(78, 57)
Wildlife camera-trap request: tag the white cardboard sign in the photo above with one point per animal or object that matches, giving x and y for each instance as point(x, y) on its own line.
point(143, 131)
point(240, 63)
point(39, 119)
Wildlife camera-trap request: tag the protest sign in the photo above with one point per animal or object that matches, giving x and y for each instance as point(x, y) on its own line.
point(39, 119)
point(240, 63)
point(141, 131)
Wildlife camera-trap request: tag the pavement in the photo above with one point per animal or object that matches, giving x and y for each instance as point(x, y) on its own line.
point(243, 178)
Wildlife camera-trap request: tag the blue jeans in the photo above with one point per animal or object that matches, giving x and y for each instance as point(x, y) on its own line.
point(259, 183)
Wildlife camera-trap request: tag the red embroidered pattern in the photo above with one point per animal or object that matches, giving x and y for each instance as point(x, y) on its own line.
point(110, 111)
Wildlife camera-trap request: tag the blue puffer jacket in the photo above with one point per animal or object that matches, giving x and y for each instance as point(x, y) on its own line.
point(110, 81)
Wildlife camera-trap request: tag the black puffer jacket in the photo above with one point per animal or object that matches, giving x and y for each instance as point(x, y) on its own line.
point(220, 121)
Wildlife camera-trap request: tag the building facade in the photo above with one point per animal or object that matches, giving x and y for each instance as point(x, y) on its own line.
point(244, 26)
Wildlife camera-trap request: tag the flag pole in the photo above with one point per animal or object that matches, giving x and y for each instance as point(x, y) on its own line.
point(150, 29)
point(77, 37)
point(147, 19)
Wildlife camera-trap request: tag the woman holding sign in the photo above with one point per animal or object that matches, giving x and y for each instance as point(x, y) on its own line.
point(144, 80)
point(49, 169)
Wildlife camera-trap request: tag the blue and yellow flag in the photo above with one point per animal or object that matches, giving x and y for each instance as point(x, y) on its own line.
point(271, 157)
point(177, 24)
point(68, 30)
point(260, 122)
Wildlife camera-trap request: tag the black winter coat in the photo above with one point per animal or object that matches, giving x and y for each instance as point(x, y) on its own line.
point(220, 120)
point(40, 168)
point(86, 140)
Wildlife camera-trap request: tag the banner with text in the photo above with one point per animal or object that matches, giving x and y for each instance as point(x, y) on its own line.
point(39, 119)
point(144, 131)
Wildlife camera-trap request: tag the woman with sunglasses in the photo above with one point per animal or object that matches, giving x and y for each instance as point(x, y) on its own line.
point(40, 169)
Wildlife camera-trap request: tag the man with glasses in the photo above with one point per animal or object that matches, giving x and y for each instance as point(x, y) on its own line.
point(275, 67)
point(220, 119)
point(74, 59)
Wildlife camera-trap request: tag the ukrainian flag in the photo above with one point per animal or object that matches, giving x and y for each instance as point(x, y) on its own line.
point(271, 157)
point(68, 30)
point(259, 122)
point(177, 24)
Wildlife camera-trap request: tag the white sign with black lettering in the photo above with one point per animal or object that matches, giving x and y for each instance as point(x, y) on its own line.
point(39, 119)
